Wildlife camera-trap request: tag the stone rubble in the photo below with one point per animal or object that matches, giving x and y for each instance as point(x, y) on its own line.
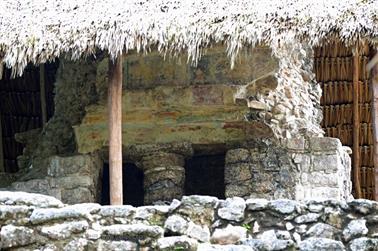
point(194, 223)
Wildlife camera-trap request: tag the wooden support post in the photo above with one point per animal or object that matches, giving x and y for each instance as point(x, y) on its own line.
point(2, 164)
point(356, 124)
point(115, 130)
point(42, 91)
point(373, 67)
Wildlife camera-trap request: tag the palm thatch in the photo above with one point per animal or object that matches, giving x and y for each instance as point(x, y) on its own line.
point(35, 31)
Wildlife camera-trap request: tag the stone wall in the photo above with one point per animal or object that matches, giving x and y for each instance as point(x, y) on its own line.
point(292, 108)
point(297, 169)
point(37, 222)
point(72, 179)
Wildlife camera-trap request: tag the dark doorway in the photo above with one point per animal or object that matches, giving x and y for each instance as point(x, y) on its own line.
point(133, 193)
point(205, 175)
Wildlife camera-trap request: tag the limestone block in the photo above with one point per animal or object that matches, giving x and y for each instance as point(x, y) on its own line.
point(283, 206)
point(307, 218)
point(79, 194)
point(243, 189)
point(303, 161)
point(326, 163)
point(238, 155)
point(124, 211)
point(273, 243)
point(236, 173)
point(176, 243)
point(176, 224)
point(232, 209)
point(256, 204)
point(164, 176)
point(325, 192)
point(34, 185)
point(29, 199)
point(297, 144)
point(78, 165)
point(162, 159)
point(14, 236)
point(200, 233)
point(321, 179)
point(70, 182)
point(79, 244)
point(312, 243)
point(324, 144)
point(363, 243)
point(200, 209)
point(117, 245)
point(364, 206)
point(228, 235)
point(13, 213)
point(255, 244)
point(134, 231)
point(64, 230)
point(156, 213)
point(321, 230)
point(355, 228)
point(41, 215)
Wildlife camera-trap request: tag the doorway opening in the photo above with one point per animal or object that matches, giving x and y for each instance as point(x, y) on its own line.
point(204, 175)
point(133, 193)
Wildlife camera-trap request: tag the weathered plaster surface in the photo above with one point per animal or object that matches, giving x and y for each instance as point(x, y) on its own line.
point(165, 101)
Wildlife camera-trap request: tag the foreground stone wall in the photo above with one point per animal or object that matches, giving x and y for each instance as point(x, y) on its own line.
point(38, 222)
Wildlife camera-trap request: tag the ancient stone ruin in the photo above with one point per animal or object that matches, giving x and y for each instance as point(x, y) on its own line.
point(262, 118)
point(188, 125)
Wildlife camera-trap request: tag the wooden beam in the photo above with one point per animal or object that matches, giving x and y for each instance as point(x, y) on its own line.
point(115, 130)
point(42, 92)
point(2, 164)
point(373, 67)
point(356, 124)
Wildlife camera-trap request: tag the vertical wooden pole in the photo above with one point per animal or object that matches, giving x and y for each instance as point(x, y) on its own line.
point(2, 165)
point(115, 130)
point(356, 124)
point(373, 67)
point(42, 91)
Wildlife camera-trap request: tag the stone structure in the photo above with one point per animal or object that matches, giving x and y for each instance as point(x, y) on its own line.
point(71, 179)
point(264, 115)
point(163, 166)
point(38, 222)
point(297, 169)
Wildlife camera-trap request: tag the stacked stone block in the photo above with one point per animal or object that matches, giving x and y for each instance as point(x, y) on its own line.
point(324, 168)
point(163, 167)
point(164, 176)
point(72, 179)
point(296, 169)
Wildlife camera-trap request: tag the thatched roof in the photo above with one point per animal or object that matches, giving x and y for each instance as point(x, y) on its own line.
point(40, 30)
